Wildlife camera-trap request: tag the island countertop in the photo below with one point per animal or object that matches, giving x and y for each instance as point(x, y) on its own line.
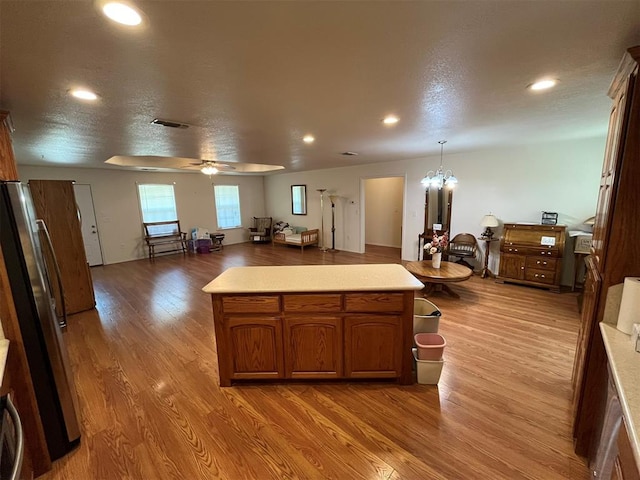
point(313, 278)
point(625, 363)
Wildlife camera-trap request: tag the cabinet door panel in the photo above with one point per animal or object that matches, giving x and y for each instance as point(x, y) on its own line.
point(373, 345)
point(625, 461)
point(256, 347)
point(512, 266)
point(587, 322)
point(313, 347)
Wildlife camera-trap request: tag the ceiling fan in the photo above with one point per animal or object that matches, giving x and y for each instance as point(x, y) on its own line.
point(209, 167)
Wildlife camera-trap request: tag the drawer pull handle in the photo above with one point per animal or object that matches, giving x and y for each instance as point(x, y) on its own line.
point(540, 275)
point(521, 268)
point(516, 250)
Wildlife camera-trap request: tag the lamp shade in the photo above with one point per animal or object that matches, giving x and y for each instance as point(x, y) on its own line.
point(590, 221)
point(489, 221)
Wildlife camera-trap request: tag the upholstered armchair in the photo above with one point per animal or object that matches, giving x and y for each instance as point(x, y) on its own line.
point(463, 245)
point(261, 230)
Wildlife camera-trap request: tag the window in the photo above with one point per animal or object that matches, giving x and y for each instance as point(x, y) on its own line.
point(158, 204)
point(227, 205)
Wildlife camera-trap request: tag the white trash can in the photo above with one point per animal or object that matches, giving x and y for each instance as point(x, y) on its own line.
point(426, 316)
point(428, 371)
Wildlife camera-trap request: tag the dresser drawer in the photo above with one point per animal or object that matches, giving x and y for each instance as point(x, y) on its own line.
point(540, 276)
point(374, 302)
point(312, 303)
point(251, 304)
point(541, 263)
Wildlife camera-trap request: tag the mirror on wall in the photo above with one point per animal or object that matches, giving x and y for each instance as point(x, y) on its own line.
point(299, 199)
point(438, 204)
point(437, 212)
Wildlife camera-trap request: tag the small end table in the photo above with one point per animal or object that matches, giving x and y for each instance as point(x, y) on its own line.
point(485, 270)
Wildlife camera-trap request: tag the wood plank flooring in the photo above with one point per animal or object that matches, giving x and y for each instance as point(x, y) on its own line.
point(146, 373)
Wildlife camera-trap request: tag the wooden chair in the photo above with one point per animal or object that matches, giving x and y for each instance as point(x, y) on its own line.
point(261, 230)
point(463, 245)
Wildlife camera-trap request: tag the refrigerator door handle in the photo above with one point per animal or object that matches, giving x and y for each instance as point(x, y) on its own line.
point(19, 438)
point(43, 228)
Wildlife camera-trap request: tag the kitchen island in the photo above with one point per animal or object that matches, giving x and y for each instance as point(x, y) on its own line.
point(314, 322)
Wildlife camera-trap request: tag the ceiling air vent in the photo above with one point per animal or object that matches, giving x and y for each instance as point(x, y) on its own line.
point(349, 154)
point(169, 123)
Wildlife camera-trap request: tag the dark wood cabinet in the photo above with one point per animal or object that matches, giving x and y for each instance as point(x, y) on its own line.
point(615, 253)
point(313, 346)
point(8, 168)
point(256, 347)
point(625, 467)
point(532, 254)
point(55, 203)
point(372, 346)
point(314, 336)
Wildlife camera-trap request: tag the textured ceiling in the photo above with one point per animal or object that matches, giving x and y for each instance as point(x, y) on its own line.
point(251, 78)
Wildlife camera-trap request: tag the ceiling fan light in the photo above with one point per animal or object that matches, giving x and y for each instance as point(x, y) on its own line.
point(122, 13)
point(209, 170)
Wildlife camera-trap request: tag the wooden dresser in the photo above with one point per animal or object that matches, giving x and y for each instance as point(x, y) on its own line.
point(532, 254)
point(615, 252)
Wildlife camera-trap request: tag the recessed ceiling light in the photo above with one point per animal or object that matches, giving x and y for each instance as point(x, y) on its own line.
point(542, 84)
point(308, 139)
point(84, 94)
point(122, 13)
point(390, 120)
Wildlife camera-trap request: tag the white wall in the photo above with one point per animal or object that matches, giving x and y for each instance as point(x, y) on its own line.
point(383, 211)
point(118, 213)
point(515, 183)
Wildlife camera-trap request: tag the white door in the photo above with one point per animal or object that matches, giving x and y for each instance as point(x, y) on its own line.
point(90, 236)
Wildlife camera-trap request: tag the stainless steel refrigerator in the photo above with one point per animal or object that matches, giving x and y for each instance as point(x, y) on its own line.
point(24, 241)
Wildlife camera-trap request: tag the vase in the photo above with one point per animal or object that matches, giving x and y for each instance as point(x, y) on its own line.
point(436, 258)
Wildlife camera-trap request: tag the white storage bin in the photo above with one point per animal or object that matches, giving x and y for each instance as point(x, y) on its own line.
point(428, 371)
point(426, 316)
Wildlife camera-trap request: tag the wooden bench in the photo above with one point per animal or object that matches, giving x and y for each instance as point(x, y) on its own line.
point(302, 239)
point(164, 233)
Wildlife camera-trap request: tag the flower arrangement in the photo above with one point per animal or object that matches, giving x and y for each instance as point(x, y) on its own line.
point(438, 243)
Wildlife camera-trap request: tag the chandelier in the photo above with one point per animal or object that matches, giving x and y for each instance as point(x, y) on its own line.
point(440, 177)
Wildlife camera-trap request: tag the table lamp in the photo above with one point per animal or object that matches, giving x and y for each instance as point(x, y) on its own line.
point(488, 221)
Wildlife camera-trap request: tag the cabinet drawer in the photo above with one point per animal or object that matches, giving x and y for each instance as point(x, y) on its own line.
point(312, 303)
point(538, 252)
point(251, 304)
point(541, 263)
point(374, 302)
point(541, 276)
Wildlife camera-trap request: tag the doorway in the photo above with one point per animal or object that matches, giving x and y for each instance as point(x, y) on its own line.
point(382, 212)
point(88, 225)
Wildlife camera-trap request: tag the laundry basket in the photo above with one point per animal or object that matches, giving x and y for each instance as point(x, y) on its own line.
point(426, 316)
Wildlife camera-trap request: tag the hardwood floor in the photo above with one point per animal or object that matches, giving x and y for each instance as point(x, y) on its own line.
point(146, 373)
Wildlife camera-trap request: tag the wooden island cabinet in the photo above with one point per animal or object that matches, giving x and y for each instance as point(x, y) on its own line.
point(314, 322)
